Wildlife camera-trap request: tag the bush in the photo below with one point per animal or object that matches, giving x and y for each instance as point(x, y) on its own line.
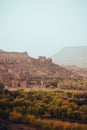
point(15, 116)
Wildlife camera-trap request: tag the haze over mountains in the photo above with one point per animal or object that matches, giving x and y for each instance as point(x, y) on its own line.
point(71, 56)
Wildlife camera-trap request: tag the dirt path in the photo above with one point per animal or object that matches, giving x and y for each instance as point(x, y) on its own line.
point(20, 127)
point(14, 126)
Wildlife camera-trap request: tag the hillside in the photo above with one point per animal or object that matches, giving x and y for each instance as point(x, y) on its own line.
point(16, 67)
point(82, 71)
point(71, 56)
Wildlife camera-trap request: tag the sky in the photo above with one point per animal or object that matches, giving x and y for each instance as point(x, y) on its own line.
point(42, 27)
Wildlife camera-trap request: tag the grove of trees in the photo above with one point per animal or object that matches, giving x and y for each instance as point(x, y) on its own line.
point(43, 109)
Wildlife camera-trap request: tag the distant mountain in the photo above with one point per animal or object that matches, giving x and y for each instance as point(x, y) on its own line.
point(71, 56)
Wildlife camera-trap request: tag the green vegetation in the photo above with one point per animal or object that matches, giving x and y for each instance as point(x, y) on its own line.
point(73, 84)
point(44, 109)
point(59, 83)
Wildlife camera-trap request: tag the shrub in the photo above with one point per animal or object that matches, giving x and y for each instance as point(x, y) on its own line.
point(15, 116)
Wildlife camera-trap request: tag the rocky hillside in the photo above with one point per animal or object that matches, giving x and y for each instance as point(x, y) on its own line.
point(71, 56)
point(14, 65)
point(77, 70)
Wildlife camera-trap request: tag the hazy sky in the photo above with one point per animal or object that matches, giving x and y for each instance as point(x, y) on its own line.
point(42, 27)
